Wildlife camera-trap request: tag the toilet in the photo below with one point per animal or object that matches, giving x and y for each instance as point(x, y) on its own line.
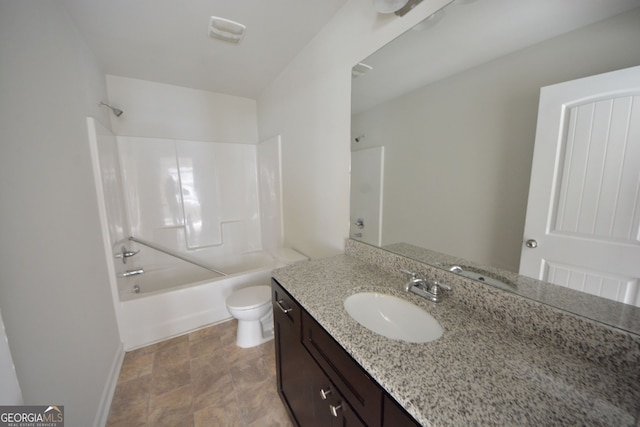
point(252, 306)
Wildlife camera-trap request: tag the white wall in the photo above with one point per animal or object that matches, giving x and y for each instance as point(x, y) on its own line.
point(461, 148)
point(309, 106)
point(10, 392)
point(166, 111)
point(54, 294)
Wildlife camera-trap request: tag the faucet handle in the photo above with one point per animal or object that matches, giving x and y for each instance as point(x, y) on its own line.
point(410, 283)
point(124, 254)
point(435, 287)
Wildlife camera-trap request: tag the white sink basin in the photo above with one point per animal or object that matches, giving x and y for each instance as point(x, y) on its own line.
point(393, 317)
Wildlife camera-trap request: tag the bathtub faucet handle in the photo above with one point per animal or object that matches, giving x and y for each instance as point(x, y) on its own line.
point(130, 273)
point(124, 254)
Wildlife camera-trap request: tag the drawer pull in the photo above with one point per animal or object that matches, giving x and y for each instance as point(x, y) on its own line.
point(281, 307)
point(325, 393)
point(334, 409)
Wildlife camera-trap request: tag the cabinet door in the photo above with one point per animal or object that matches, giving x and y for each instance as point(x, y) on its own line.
point(395, 416)
point(292, 360)
point(363, 394)
point(332, 408)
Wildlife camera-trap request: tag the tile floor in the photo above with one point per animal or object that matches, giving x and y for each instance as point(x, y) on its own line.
point(200, 379)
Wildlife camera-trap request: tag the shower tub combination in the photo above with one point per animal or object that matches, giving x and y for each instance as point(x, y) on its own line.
point(182, 194)
point(176, 294)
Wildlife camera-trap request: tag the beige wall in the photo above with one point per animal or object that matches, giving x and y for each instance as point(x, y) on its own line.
point(458, 152)
point(54, 289)
point(309, 105)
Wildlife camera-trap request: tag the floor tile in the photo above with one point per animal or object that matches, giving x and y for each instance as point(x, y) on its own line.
point(172, 409)
point(169, 377)
point(200, 379)
point(136, 364)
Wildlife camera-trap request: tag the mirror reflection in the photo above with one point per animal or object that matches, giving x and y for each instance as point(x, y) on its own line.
point(444, 126)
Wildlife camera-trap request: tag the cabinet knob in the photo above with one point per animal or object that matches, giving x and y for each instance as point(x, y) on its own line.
point(325, 393)
point(334, 409)
point(532, 244)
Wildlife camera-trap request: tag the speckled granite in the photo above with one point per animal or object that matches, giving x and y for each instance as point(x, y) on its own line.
point(503, 360)
point(621, 316)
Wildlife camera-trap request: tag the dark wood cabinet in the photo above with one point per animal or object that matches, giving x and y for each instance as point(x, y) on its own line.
point(395, 416)
point(332, 408)
point(318, 381)
point(364, 395)
point(295, 368)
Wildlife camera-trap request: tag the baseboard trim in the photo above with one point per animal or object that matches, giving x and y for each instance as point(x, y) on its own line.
point(109, 388)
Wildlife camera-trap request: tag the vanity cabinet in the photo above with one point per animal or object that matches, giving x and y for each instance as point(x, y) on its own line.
point(318, 381)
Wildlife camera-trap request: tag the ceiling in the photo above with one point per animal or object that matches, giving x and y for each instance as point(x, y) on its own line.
point(167, 41)
point(469, 33)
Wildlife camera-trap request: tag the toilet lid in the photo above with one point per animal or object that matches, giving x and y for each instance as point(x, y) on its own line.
point(248, 298)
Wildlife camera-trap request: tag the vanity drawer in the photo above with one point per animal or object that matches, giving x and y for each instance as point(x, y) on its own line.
point(364, 395)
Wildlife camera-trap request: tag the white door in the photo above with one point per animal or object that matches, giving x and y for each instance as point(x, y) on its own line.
point(582, 226)
point(367, 175)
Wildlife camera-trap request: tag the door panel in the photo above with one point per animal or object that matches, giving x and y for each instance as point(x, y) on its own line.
point(597, 196)
point(584, 196)
point(623, 289)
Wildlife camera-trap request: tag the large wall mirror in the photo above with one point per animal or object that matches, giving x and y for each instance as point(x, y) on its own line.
point(444, 127)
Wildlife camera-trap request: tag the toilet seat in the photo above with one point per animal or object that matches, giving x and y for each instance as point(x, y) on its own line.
point(249, 298)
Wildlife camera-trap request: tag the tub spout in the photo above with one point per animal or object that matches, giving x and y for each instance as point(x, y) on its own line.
point(130, 273)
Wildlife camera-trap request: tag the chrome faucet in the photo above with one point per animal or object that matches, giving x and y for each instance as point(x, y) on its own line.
point(431, 290)
point(130, 273)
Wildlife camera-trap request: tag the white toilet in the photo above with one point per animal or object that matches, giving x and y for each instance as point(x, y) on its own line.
point(252, 307)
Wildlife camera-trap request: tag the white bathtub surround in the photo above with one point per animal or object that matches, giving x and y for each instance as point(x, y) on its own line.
point(177, 297)
point(188, 195)
point(161, 315)
point(163, 272)
point(270, 190)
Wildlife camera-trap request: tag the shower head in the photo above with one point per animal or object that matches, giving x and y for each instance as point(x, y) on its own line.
point(118, 112)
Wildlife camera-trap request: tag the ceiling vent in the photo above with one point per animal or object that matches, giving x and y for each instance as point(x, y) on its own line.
point(226, 29)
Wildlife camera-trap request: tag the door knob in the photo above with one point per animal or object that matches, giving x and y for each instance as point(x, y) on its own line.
point(531, 244)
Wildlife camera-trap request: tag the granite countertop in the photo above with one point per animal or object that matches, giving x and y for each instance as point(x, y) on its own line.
point(480, 372)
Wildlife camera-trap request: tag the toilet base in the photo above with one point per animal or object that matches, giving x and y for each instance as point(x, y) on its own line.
point(252, 333)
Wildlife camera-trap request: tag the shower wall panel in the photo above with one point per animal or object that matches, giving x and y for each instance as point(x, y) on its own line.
point(219, 187)
point(270, 190)
point(112, 188)
point(189, 195)
point(151, 188)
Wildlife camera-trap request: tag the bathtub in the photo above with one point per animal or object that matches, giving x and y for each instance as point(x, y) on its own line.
point(176, 296)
